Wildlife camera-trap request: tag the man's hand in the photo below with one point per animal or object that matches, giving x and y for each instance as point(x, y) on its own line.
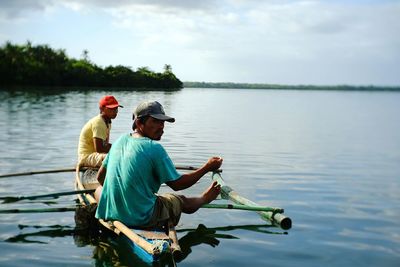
point(213, 163)
point(189, 179)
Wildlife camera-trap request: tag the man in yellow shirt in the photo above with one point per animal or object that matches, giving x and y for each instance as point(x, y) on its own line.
point(94, 138)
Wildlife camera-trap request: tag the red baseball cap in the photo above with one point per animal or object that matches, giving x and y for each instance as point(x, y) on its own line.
point(109, 101)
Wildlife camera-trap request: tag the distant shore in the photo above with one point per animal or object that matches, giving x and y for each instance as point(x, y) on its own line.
point(30, 66)
point(289, 87)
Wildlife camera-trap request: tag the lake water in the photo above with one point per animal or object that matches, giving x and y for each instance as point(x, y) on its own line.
point(331, 159)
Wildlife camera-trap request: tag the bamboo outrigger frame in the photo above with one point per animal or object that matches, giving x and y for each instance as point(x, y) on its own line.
point(149, 245)
point(274, 216)
point(155, 249)
point(178, 167)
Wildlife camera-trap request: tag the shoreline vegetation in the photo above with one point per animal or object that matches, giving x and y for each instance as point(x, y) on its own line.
point(29, 67)
point(228, 85)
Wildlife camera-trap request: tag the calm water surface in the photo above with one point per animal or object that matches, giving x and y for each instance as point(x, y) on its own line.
point(330, 159)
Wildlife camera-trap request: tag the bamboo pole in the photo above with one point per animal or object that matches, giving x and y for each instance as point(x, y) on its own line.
point(62, 209)
point(242, 207)
point(37, 172)
point(187, 168)
point(191, 168)
point(228, 193)
point(10, 199)
point(178, 167)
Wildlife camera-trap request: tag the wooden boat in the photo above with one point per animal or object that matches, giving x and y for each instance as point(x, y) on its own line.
point(150, 246)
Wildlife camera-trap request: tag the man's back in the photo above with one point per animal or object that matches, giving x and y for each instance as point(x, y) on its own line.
point(94, 128)
point(136, 168)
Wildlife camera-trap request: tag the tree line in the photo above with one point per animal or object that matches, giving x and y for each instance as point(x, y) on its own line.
point(28, 66)
point(289, 87)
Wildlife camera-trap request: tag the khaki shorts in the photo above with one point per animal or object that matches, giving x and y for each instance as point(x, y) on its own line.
point(168, 208)
point(92, 160)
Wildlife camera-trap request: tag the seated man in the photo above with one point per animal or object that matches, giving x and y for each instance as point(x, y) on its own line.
point(134, 170)
point(95, 135)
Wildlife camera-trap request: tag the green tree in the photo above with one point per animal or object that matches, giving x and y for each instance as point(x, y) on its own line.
point(40, 65)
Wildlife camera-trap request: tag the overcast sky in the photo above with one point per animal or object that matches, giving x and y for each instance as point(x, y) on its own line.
point(280, 42)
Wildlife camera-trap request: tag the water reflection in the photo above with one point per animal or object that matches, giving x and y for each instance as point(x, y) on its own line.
point(49, 231)
point(111, 250)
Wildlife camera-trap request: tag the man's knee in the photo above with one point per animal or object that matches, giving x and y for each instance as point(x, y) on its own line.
point(92, 160)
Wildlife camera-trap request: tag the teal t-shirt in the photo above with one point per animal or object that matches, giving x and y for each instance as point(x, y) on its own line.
point(136, 168)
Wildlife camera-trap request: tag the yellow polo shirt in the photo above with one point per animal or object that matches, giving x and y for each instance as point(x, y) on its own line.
point(95, 127)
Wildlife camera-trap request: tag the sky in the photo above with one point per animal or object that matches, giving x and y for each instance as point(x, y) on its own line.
point(331, 42)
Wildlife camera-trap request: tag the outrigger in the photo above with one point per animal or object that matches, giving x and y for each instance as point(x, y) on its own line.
point(151, 245)
point(273, 215)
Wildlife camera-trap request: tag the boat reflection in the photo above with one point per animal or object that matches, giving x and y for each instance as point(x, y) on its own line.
point(37, 237)
point(110, 250)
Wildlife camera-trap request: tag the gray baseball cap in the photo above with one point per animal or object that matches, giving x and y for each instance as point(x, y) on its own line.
point(152, 109)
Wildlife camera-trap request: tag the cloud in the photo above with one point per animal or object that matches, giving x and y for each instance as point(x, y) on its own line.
point(12, 9)
point(16, 8)
point(236, 40)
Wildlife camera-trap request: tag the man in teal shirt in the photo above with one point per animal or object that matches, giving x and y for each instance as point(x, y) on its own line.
point(134, 170)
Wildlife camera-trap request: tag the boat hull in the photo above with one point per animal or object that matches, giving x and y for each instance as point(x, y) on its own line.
point(149, 246)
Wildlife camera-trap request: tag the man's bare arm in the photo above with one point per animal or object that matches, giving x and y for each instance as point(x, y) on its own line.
point(100, 146)
point(189, 179)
